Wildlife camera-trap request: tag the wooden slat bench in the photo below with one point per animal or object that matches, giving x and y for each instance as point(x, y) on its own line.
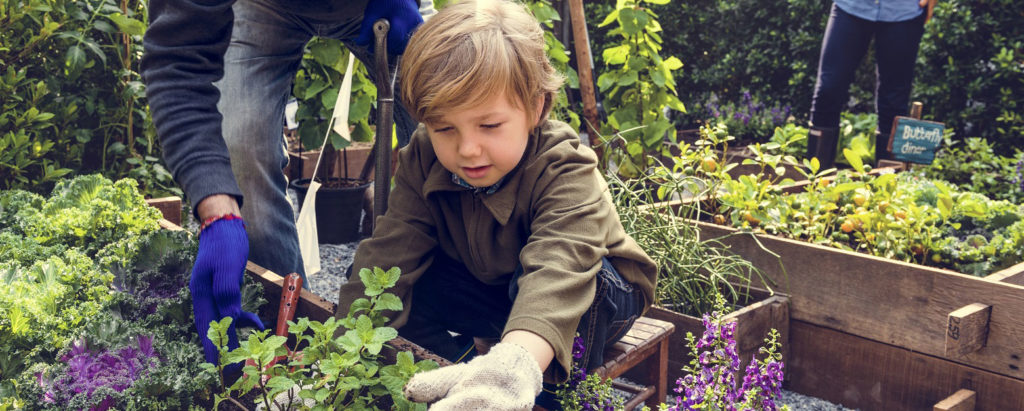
point(646, 343)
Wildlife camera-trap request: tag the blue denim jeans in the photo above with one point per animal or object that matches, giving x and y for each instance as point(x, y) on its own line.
point(845, 43)
point(259, 67)
point(448, 298)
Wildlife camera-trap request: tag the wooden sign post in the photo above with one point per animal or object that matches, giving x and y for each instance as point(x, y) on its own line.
point(913, 140)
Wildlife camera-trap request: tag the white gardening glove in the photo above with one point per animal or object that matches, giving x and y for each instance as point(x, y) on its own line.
point(506, 378)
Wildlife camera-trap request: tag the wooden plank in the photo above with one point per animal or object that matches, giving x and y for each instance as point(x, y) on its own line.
point(962, 400)
point(860, 373)
point(885, 300)
point(170, 208)
point(967, 329)
point(167, 225)
point(310, 305)
point(1013, 275)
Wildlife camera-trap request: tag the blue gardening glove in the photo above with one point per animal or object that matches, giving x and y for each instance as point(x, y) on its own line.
point(403, 15)
point(506, 378)
point(217, 280)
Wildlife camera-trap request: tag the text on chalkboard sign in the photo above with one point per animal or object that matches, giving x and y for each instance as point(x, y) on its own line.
point(914, 140)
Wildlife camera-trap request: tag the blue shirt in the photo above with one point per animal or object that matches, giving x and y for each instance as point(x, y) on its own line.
point(882, 10)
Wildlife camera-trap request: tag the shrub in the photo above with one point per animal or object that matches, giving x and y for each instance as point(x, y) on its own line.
point(73, 100)
point(975, 166)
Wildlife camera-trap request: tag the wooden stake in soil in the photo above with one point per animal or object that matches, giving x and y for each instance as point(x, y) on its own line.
point(582, 42)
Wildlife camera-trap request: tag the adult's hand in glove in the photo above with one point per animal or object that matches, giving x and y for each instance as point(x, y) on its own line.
point(217, 280)
point(403, 15)
point(506, 378)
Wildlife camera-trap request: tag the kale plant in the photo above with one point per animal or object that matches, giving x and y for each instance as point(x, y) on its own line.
point(86, 212)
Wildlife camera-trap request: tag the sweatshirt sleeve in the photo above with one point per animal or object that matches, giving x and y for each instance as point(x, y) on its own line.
point(403, 237)
point(183, 56)
point(571, 224)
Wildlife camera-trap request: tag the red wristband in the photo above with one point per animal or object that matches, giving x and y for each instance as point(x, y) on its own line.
point(211, 220)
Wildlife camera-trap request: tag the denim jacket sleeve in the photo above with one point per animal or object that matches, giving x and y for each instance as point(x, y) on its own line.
point(183, 56)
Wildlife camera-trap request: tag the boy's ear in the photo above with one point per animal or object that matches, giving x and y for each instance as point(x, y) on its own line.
point(539, 110)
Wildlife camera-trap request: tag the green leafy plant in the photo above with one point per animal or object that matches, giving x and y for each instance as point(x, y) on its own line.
point(340, 364)
point(74, 100)
point(974, 166)
point(790, 139)
point(637, 86)
point(316, 90)
point(110, 279)
point(898, 216)
point(969, 70)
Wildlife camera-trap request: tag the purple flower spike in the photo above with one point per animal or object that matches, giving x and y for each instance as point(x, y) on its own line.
point(578, 348)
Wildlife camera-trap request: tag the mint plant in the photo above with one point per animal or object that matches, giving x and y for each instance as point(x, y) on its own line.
point(337, 364)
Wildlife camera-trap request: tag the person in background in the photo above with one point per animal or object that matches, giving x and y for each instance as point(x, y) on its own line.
point(498, 219)
point(218, 74)
point(896, 26)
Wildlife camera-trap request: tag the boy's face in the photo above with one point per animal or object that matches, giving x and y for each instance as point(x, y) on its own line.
point(482, 143)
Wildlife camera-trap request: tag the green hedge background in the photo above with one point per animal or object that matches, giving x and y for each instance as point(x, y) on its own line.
point(71, 100)
point(969, 74)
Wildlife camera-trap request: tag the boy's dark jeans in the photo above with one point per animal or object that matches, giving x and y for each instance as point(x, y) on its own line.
point(449, 298)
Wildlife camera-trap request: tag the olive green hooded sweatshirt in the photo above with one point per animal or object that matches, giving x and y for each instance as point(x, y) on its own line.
point(551, 214)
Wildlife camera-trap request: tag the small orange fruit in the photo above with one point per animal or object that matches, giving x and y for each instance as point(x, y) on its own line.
point(709, 164)
point(750, 218)
point(882, 206)
point(847, 226)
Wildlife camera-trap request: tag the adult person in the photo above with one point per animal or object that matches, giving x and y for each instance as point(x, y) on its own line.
point(218, 73)
point(896, 26)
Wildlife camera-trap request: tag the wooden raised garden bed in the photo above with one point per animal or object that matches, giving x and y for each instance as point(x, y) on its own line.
point(874, 333)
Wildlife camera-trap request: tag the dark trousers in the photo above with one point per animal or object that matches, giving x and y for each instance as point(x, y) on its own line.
point(448, 298)
point(846, 41)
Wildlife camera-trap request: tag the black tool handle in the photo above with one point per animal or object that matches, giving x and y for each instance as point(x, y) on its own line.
point(385, 112)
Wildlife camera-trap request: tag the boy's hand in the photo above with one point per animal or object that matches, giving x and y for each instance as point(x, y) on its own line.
point(506, 378)
point(403, 15)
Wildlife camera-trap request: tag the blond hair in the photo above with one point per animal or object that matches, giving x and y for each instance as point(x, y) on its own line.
point(472, 50)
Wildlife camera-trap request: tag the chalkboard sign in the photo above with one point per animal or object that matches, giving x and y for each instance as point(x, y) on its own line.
point(915, 141)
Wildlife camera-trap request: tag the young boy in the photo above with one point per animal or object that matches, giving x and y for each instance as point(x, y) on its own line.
point(498, 219)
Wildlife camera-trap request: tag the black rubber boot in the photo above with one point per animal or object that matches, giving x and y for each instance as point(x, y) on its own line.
point(881, 147)
point(821, 143)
